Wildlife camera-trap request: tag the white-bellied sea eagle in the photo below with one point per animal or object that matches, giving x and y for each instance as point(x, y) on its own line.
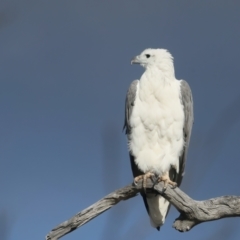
point(158, 123)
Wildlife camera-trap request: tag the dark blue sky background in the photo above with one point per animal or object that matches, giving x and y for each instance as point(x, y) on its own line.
point(65, 69)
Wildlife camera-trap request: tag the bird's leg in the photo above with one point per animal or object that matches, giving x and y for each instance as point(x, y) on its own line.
point(144, 177)
point(165, 178)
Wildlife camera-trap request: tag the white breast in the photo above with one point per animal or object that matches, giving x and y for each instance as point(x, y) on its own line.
point(157, 120)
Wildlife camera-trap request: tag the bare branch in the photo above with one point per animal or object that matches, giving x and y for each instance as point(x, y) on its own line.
point(191, 212)
point(194, 212)
point(93, 211)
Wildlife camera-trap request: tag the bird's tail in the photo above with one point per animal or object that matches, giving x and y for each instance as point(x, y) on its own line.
point(157, 209)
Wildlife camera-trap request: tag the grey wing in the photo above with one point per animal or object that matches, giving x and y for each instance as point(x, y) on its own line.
point(129, 103)
point(187, 102)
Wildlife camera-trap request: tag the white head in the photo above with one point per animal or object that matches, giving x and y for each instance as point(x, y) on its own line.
point(159, 58)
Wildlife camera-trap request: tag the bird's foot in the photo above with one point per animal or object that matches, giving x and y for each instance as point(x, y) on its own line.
point(165, 178)
point(144, 178)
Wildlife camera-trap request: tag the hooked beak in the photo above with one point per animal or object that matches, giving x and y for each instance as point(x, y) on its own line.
point(135, 60)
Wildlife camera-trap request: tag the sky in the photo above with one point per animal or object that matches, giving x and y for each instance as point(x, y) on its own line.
point(65, 70)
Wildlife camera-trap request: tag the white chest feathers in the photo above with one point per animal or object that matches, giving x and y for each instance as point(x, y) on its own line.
point(157, 120)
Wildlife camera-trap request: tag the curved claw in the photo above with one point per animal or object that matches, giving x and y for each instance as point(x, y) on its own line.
point(143, 177)
point(165, 178)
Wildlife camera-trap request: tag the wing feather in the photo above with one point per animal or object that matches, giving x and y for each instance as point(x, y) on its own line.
point(129, 103)
point(187, 101)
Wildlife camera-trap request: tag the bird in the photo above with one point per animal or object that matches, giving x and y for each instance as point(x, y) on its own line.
point(158, 124)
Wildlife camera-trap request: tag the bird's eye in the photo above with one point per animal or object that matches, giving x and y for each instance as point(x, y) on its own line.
point(147, 55)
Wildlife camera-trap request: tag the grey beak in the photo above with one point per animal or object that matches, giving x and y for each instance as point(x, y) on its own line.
point(135, 60)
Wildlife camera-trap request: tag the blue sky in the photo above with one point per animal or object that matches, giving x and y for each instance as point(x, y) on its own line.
point(65, 69)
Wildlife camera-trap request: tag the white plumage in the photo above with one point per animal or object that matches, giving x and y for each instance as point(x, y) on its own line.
point(155, 122)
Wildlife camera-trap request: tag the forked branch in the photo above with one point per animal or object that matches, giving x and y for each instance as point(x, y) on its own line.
point(191, 212)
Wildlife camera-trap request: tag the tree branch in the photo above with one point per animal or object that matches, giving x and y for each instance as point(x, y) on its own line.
point(191, 212)
point(93, 211)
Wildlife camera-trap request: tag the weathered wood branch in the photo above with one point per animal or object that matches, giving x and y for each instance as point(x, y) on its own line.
point(93, 211)
point(191, 212)
point(194, 212)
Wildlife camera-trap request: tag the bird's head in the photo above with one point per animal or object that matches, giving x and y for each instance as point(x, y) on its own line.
point(159, 58)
